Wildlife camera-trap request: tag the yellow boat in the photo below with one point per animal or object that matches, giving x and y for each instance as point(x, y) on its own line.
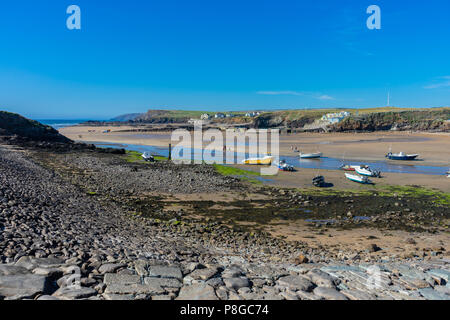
point(259, 161)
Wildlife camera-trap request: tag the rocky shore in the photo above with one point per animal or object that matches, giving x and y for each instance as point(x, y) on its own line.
point(58, 241)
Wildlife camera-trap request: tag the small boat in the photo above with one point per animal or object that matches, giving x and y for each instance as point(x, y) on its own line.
point(366, 171)
point(401, 156)
point(148, 157)
point(448, 174)
point(310, 155)
point(347, 167)
point(359, 179)
point(318, 181)
point(259, 160)
point(283, 166)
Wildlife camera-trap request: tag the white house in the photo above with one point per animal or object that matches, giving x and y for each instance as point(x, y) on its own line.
point(205, 116)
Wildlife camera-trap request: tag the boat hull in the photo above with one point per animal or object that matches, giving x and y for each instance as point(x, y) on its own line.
point(258, 161)
point(357, 179)
point(310, 155)
point(401, 156)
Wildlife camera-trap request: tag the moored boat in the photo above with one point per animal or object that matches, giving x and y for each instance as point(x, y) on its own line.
point(347, 167)
point(148, 157)
point(359, 179)
point(267, 160)
point(283, 166)
point(310, 155)
point(366, 171)
point(401, 156)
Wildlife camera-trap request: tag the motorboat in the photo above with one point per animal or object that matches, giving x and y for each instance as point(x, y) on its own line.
point(347, 167)
point(283, 166)
point(148, 157)
point(267, 160)
point(357, 178)
point(366, 171)
point(318, 181)
point(314, 155)
point(401, 156)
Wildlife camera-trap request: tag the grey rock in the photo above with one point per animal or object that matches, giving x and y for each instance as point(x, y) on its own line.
point(197, 292)
point(165, 272)
point(329, 293)
point(134, 289)
point(121, 279)
point(8, 269)
point(236, 283)
point(322, 279)
point(163, 282)
point(296, 283)
point(74, 292)
point(431, 294)
point(24, 285)
point(110, 267)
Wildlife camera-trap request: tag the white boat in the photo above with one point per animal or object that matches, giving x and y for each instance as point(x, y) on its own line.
point(310, 155)
point(283, 166)
point(147, 156)
point(366, 171)
point(359, 179)
point(448, 174)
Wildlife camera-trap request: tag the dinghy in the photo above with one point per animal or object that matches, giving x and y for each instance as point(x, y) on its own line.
point(283, 166)
point(347, 167)
point(148, 157)
point(401, 156)
point(267, 160)
point(359, 179)
point(366, 171)
point(318, 181)
point(310, 155)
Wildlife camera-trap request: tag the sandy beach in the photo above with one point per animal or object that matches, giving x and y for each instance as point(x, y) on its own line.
point(434, 150)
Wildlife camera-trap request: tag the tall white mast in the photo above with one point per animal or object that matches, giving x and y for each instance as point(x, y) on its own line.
point(388, 98)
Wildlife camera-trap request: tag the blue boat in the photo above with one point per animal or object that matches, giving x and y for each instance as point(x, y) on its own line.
point(401, 156)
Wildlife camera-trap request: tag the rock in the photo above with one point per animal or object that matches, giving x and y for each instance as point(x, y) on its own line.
point(296, 283)
point(203, 274)
point(53, 273)
point(236, 283)
point(354, 294)
point(110, 267)
point(7, 269)
point(31, 263)
point(28, 285)
point(116, 288)
point(165, 272)
point(300, 259)
point(373, 248)
point(163, 282)
point(47, 297)
point(123, 279)
point(322, 279)
point(197, 292)
point(329, 293)
point(74, 292)
point(431, 294)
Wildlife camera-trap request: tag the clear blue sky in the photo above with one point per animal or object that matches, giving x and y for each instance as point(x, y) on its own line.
point(134, 55)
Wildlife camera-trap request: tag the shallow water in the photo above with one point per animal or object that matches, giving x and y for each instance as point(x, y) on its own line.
point(325, 163)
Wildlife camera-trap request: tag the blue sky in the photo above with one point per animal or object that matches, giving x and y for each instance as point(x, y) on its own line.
point(135, 55)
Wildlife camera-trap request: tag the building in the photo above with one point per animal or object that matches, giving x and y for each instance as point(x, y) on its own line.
point(252, 114)
point(335, 117)
point(219, 115)
point(205, 116)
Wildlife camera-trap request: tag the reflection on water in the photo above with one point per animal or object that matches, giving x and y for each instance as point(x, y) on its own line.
point(321, 163)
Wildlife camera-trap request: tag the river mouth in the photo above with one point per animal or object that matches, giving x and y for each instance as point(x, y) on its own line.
point(325, 163)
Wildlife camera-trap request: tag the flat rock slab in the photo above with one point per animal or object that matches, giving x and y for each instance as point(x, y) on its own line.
point(9, 269)
point(74, 292)
point(431, 294)
point(165, 272)
point(134, 289)
point(354, 294)
point(199, 291)
point(123, 279)
point(31, 263)
point(296, 283)
point(329, 293)
point(203, 274)
point(22, 285)
point(163, 282)
point(110, 267)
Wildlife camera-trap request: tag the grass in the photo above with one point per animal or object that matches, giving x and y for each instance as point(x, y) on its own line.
point(244, 175)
